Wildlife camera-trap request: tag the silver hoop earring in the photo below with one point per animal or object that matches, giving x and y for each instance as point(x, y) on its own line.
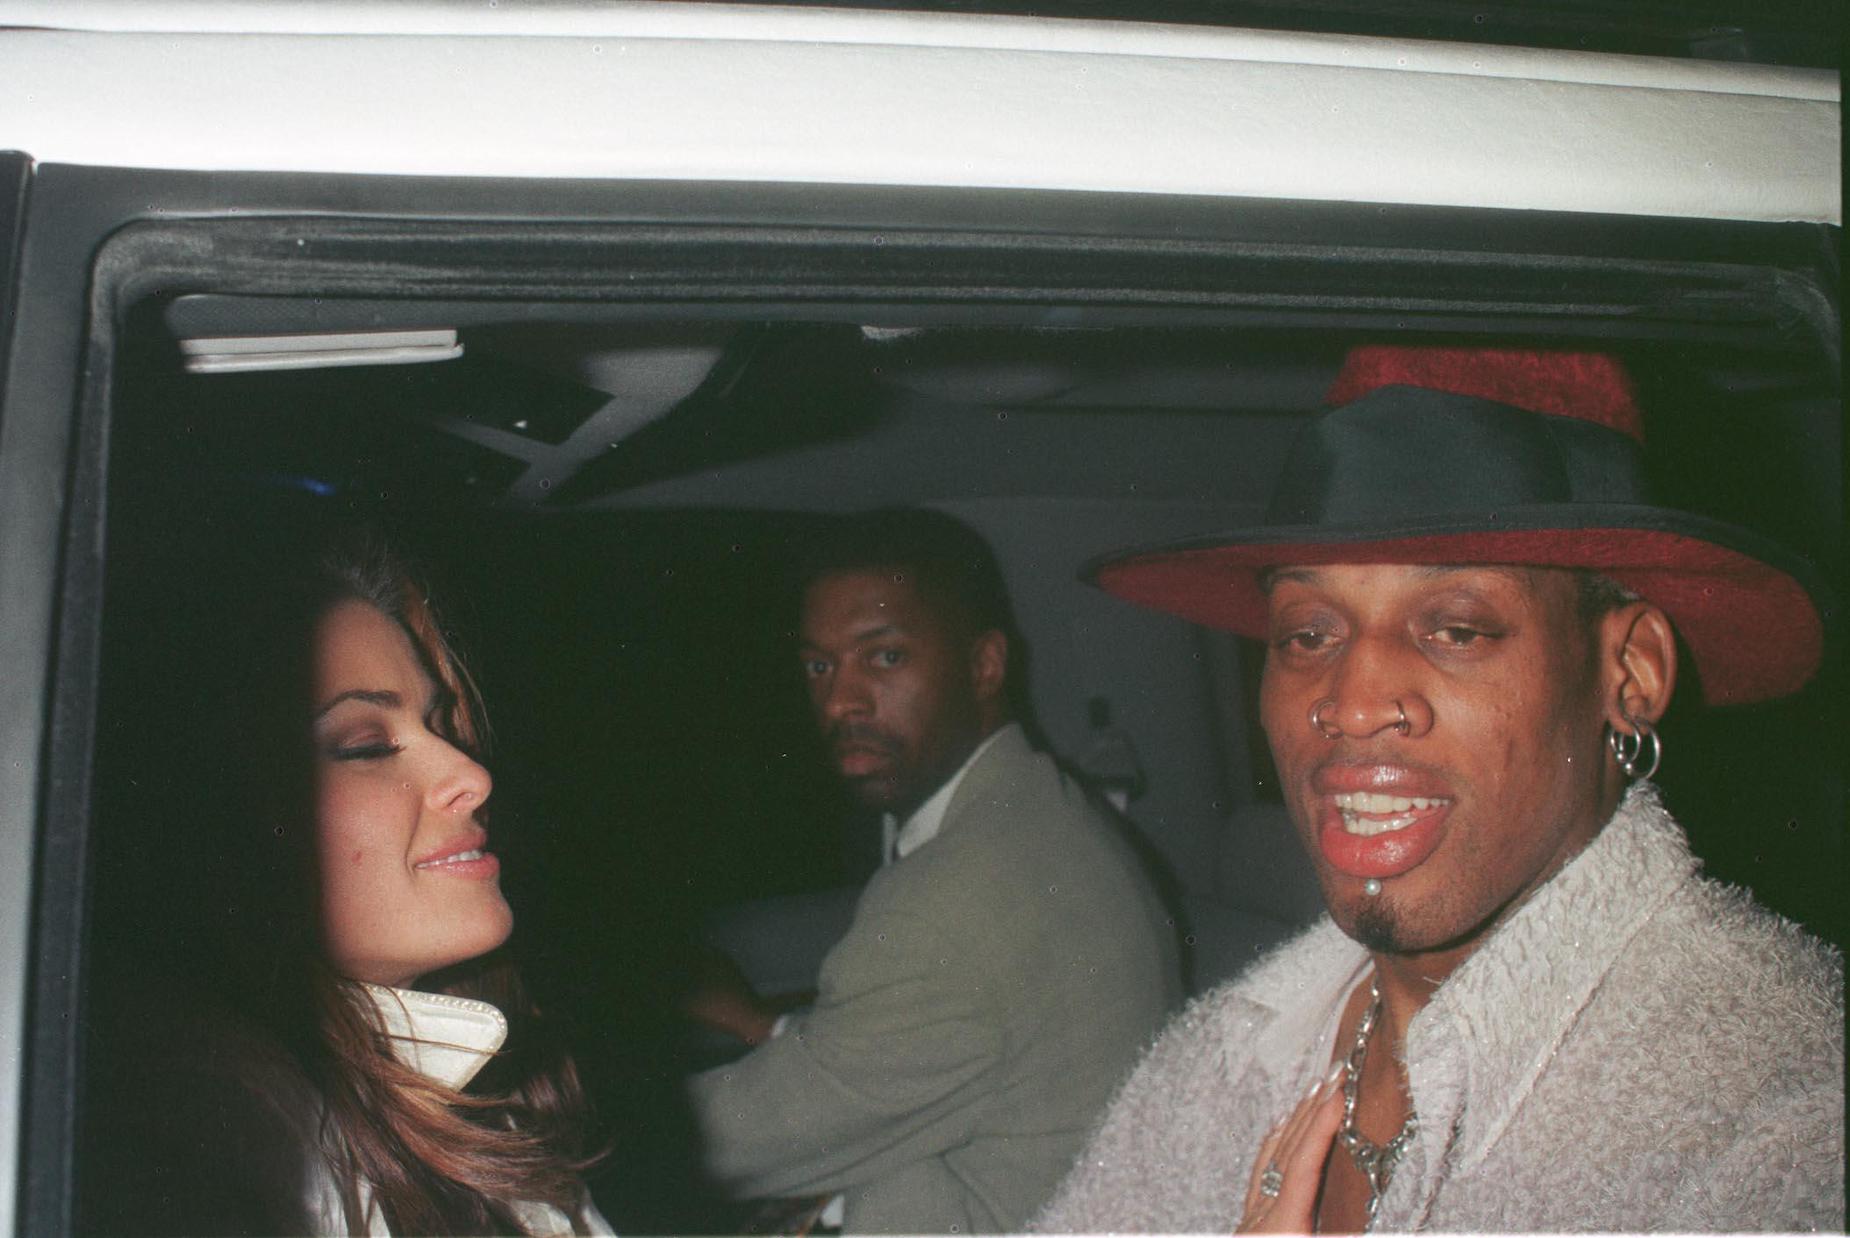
point(1401, 724)
point(1319, 725)
point(1638, 754)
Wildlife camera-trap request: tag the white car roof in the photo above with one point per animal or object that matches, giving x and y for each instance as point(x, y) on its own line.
point(704, 92)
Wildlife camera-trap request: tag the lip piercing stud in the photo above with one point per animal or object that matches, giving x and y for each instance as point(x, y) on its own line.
point(1325, 729)
point(1371, 887)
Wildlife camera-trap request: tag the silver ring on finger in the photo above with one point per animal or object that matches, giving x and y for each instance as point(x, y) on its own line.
point(1271, 1182)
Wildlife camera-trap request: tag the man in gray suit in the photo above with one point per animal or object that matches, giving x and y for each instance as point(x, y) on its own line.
point(1006, 964)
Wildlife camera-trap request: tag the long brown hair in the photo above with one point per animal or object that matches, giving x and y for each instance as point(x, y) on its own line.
point(434, 1158)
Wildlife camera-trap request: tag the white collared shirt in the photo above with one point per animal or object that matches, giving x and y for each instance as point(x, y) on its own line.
point(928, 818)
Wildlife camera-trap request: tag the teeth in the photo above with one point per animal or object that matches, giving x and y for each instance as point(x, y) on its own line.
point(1374, 801)
point(1368, 827)
point(1384, 812)
point(458, 858)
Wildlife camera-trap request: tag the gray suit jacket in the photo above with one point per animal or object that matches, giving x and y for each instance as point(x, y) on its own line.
point(994, 987)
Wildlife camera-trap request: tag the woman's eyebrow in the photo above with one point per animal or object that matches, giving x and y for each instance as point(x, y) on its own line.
point(372, 696)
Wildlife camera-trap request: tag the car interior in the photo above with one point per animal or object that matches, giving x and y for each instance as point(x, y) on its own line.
point(610, 490)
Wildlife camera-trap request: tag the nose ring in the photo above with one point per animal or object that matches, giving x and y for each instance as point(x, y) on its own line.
point(1401, 724)
point(1317, 723)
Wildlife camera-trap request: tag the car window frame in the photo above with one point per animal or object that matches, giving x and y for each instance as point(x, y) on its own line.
point(97, 243)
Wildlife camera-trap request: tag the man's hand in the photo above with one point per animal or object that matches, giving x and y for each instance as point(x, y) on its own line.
point(1293, 1157)
point(721, 998)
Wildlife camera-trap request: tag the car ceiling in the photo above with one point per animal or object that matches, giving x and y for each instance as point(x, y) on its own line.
point(795, 416)
point(818, 417)
point(844, 419)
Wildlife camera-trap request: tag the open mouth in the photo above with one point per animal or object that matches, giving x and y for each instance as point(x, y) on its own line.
point(1378, 833)
point(1368, 813)
point(461, 857)
point(469, 857)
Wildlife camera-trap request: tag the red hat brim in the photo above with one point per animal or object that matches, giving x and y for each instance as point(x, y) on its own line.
point(1754, 631)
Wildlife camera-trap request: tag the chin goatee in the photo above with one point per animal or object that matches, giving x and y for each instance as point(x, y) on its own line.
point(1376, 928)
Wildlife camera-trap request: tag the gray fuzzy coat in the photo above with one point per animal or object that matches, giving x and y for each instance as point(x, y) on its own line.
point(1636, 1048)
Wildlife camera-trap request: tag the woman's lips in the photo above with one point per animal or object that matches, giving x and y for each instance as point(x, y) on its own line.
point(1379, 834)
point(474, 861)
point(468, 864)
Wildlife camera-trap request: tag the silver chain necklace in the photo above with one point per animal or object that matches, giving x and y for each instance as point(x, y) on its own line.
point(1375, 1161)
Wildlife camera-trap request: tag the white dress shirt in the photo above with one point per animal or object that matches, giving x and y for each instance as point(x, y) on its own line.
point(922, 826)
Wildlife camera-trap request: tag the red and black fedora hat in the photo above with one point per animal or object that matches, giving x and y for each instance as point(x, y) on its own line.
point(1527, 458)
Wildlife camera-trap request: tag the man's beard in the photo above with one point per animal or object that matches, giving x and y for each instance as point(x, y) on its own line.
point(1380, 927)
point(1377, 928)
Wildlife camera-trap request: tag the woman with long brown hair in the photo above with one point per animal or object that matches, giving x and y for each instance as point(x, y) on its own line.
point(357, 1054)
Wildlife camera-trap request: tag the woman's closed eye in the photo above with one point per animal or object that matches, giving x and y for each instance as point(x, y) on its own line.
point(364, 750)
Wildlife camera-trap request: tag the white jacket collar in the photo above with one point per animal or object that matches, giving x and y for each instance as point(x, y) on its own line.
point(1299, 989)
point(1491, 1028)
point(446, 1039)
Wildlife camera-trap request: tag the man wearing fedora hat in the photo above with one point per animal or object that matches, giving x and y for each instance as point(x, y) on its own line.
point(1526, 1010)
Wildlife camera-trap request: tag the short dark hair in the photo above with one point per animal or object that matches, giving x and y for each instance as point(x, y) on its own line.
point(951, 565)
point(1600, 594)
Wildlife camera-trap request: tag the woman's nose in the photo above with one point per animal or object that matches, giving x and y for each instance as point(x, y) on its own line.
point(463, 785)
